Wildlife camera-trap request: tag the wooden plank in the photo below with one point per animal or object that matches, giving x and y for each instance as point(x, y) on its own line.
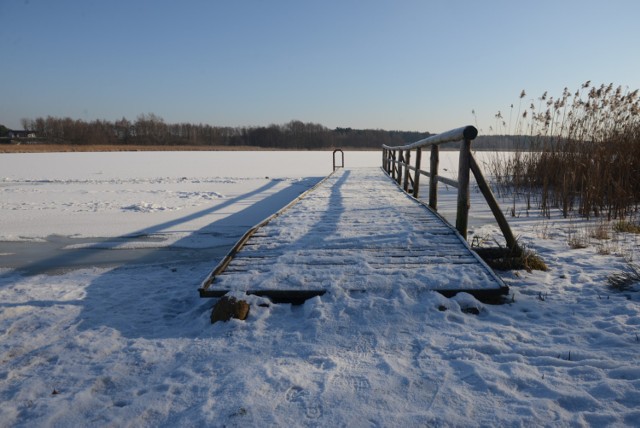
point(379, 261)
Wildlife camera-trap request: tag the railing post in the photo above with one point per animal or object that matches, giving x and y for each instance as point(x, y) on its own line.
point(416, 175)
point(433, 182)
point(391, 159)
point(464, 166)
point(387, 159)
point(407, 161)
point(400, 161)
point(384, 159)
point(393, 164)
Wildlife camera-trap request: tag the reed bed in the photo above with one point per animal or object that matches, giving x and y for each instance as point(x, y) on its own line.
point(580, 153)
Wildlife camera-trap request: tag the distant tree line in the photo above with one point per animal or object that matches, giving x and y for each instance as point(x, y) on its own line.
point(150, 129)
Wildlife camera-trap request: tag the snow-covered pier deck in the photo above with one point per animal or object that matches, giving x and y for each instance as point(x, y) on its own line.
point(357, 231)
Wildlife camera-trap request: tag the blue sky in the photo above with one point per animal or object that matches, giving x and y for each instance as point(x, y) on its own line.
point(410, 65)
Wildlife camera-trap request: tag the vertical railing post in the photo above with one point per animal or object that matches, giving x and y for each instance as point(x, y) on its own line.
point(393, 164)
point(385, 166)
point(464, 167)
point(387, 157)
point(400, 161)
point(407, 162)
point(416, 175)
point(433, 182)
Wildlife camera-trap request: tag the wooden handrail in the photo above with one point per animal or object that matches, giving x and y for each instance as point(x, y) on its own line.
point(396, 162)
point(458, 134)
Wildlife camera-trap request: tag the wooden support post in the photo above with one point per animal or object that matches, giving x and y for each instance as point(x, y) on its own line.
point(416, 175)
point(400, 161)
point(393, 164)
point(385, 160)
point(462, 214)
point(388, 162)
point(433, 182)
point(512, 243)
point(407, 160)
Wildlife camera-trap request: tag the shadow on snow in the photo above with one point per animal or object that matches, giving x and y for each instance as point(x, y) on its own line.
point(152, 293)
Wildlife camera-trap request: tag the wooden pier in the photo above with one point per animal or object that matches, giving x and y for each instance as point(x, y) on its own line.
point(357, 231)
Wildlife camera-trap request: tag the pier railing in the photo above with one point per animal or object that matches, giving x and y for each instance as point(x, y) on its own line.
point(396, 161)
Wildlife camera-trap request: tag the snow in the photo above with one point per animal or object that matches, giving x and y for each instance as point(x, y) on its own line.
point(131, 344)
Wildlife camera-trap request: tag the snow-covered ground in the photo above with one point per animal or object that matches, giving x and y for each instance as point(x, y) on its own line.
point(131, 344)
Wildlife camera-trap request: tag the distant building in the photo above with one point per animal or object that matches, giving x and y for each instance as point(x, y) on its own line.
point(13, 136)
point(21, 134)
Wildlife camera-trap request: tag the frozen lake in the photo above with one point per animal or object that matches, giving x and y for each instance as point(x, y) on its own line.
point(62, 210)
point(68, 210)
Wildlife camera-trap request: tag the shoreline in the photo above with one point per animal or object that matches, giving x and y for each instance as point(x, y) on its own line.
point(69, 148)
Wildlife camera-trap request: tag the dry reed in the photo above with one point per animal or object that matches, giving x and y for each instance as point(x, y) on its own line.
point(582, 153)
